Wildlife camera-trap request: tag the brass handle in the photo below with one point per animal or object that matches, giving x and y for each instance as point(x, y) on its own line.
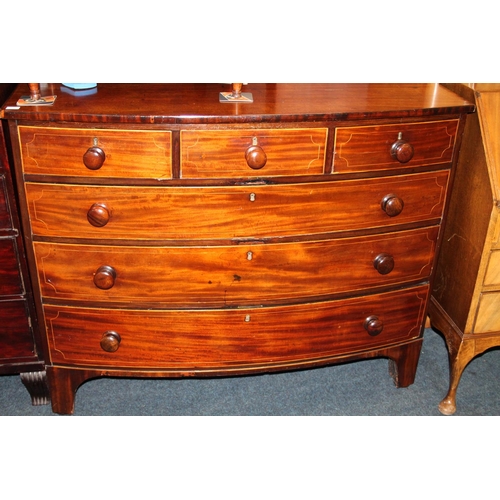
point(384, 263)
point(402, 150)
point(373, 325)
point(98, 215)
point(256, 157)
point(105, 277)
point(94, 158)
point(392, 205)
point(110, 341)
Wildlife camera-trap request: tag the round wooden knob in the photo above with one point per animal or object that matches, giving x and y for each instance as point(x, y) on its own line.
point(104, 277)
point(384, 263)
point(98, 215)
point(110, 341)
point(402, 151)
point(94, 158)
point(392, 205)
point(373, 325)
point(255, 157)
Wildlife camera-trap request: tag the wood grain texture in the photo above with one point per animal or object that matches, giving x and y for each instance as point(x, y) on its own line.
point(466, 229)
point(220, 276)
point(359, 149)
point(130, 154)
point(273, 103)
point(214, 339)
point(193, 213)
point(221, 153)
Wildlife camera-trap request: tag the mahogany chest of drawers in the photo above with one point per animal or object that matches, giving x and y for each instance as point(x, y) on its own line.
point(173, 235)
point(20, 347)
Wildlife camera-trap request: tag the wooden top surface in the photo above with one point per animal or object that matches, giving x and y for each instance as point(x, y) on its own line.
point(199, 103)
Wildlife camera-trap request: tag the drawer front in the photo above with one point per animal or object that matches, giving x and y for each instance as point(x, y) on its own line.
point(16, 340)
point(361, 149)
point(196, 213)
point(488, 313)
point(232, 275)
point(10, 278)
point(252, 152)
point(5, 220)
point(492, 276)
point(231, 338)
point(96, 153)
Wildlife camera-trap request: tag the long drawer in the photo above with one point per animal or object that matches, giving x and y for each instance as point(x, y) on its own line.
point(222, 212)
point(96, 153)
point(204, 340)
point(231, 275)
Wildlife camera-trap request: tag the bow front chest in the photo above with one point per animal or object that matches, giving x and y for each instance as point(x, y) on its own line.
point(170, 234)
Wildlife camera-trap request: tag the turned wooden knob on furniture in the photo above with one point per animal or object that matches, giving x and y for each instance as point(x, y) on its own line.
point(110, 341)
point(256, 157)
point(104, 277)
point(392, 205)
point(402, 150)
point(373, 325)
point(94, 158)
point(98, 215)
point(384, 263)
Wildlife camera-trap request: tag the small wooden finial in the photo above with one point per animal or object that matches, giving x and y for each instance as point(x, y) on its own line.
point(35, 94)
point(236, 90)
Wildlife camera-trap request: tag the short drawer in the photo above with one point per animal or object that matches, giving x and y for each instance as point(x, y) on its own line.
point(228, 212)
point(252, 152)
point(16, 339)
point(222, 276)
point(10, 278)
point(205, 340)
point(361, 149)
point(96, 153)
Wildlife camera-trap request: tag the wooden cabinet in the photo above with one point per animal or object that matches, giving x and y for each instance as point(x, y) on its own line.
point(20, 344)
point(174, 235)
point(465, 303)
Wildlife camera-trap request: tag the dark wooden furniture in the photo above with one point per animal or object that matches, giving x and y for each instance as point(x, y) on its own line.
point(20, 350)
point(465, 303)
point(173, 235)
